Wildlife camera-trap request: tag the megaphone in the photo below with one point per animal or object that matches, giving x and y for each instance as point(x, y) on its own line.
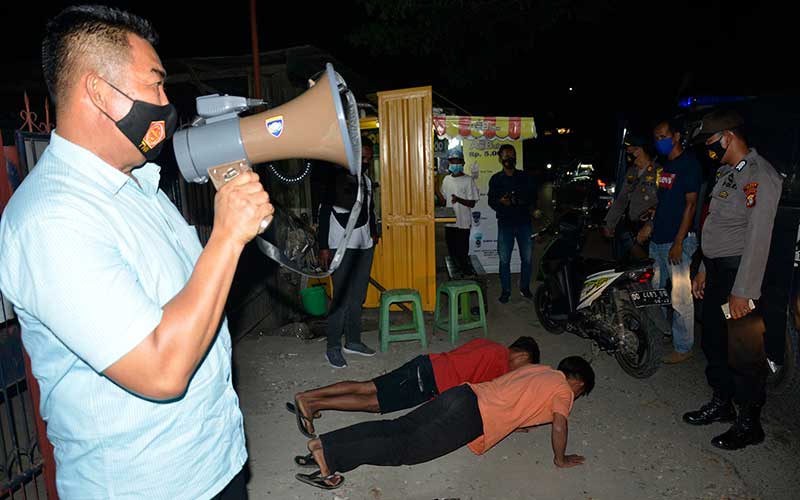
point(320, 124)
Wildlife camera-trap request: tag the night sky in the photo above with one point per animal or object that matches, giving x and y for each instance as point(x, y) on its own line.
point(490, 57)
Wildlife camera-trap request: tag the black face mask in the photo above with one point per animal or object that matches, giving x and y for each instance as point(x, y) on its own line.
point(715, 150)
point(509, 163)
point(147, 126)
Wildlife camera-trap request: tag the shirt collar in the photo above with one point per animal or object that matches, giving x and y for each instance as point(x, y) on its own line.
point(101, 172)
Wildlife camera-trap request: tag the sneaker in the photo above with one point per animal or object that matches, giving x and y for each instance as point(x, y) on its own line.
point(335, 358)
point(504, 297)
point(358, 348)
point(676, 357)
point(526, 293)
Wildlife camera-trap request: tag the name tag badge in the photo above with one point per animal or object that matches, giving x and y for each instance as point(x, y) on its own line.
point(666, 180)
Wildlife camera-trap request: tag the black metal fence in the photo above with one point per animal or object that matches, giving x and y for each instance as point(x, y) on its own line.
point(21, 460)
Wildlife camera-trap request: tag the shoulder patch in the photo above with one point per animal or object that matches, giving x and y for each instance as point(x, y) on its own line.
point(750, 191)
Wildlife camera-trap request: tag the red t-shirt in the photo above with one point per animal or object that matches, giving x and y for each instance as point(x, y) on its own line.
point(477, 361)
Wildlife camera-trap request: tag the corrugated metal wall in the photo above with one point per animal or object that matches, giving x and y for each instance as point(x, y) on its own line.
point(405, 258)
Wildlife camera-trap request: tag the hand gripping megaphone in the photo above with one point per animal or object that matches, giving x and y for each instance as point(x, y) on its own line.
point(321, 124)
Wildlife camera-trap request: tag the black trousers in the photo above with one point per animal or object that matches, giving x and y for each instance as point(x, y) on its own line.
point(350, 282)
point(235, 490)
point(745, 386)
point(430, 431)
point(457, 240)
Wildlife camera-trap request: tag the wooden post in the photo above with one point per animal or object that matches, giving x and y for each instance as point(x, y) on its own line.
point(256, 54)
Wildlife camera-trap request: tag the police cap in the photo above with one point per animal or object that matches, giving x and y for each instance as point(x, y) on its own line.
point(716, 121)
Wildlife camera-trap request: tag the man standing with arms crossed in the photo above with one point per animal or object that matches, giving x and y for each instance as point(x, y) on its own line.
point(736, 240)
point(121, 308)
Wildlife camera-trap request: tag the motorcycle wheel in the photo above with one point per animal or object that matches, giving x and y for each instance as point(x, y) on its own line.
point(786, 383)
point(647, 358)
point(544, 306)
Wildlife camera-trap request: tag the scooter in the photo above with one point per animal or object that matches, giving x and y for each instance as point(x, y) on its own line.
point(613, 304)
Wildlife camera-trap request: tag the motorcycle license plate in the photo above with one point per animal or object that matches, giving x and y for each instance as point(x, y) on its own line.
point(644, 298)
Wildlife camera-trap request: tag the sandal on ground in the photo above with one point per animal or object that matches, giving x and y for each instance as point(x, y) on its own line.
point(300, 425)
point(306, 460)
point(314, 479)
point(290, 409)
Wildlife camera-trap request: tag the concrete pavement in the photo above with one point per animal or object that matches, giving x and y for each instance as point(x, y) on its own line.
point(629, 430)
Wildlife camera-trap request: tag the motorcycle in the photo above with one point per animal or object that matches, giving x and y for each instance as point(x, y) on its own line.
point(613, 304)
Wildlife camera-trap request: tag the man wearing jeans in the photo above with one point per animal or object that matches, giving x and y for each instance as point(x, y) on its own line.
point(673, 238)
point(511, 194)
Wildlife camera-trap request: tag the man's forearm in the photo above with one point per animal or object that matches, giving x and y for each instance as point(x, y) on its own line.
point(162, 364)
point(686, 222)
point(465, 202)
point(558, 437)
point(191, 319)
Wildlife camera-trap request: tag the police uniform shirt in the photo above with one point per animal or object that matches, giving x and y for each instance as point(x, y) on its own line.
point(638, 194)
point(739, 223)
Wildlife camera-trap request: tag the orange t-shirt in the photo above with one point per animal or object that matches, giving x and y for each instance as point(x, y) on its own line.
point(524, 397)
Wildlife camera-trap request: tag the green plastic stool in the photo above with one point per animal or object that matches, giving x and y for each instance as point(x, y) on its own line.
point(400, 295)
point(459, 291)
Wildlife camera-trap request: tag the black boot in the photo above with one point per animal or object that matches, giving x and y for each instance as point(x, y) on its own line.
point(716, 410)
point(746, 431)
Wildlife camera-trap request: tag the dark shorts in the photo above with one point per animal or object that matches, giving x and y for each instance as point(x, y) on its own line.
point(410, 385)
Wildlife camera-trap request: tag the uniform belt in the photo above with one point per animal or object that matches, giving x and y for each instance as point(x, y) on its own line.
point(722, 263)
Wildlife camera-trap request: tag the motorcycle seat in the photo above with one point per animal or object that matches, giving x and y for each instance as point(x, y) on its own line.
point(634, 265)
point(591, 266)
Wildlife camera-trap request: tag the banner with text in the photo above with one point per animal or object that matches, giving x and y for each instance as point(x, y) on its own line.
point(480, 156)
point(480, 137)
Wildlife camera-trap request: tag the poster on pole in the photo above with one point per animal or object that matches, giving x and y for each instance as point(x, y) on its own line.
point(480, 138)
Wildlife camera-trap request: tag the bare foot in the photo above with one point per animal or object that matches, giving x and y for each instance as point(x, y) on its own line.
point(301, 396)
point(315, 447)
point(308, 423)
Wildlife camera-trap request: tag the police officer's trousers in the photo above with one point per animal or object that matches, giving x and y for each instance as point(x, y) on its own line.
point(746, 386)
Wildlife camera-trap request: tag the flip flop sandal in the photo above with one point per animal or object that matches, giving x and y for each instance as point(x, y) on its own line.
point(305, 460)
point(299, 418)
point(290, 409)
point(314, 479)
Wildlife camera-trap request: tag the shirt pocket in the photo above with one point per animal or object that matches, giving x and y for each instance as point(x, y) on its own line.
point(723, 194)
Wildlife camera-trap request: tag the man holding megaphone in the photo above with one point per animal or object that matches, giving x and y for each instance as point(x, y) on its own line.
point(120, 306)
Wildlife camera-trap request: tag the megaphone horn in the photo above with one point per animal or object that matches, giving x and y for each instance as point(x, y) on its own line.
point(315, 125)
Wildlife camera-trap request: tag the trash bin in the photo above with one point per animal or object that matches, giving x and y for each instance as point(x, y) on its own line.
point(314, 300)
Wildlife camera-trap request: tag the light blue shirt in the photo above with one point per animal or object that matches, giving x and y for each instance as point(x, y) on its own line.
point(89, 258)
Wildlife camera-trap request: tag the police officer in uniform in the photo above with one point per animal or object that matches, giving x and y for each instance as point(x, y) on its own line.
point(735, 242)
point(638, 196)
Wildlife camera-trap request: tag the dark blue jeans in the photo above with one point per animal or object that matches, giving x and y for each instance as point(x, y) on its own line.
point(506, 234)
